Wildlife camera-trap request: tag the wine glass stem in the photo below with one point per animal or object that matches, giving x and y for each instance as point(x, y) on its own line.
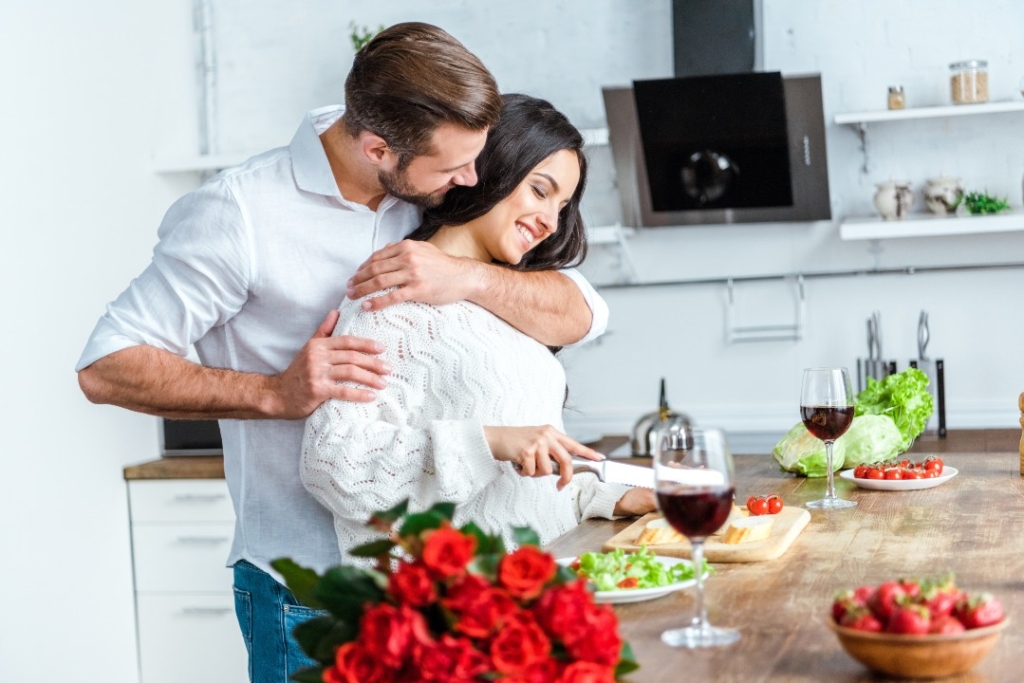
point(700, 617)
point(830, 490)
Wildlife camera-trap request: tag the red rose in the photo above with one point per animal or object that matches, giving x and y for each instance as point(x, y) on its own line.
point(597, 638)
point(479, 608)
point(411, 584)
point(353, 663)
point(544, 671)
point(451, 660)
point(525, 571)
point(447, 551)
point(389, 632)
point(563, 609)
point(587, 672)
point(519, 644)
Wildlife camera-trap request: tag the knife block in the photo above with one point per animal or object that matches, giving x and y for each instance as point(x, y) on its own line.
point(878, 369)
point(938, 393)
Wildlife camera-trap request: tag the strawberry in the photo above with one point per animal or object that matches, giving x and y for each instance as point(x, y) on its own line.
point(939, 597)
point(883, 601)
point(980, 610)
point(862, 593)
point(846, 600)
point(909, 620)
point(911, 587)
point(861, 618)
point(946, 624)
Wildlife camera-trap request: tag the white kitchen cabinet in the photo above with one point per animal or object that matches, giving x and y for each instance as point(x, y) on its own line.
point(181, 534)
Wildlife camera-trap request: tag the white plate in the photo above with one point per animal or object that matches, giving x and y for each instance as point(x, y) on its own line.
point(901, 484)
point(638, 594)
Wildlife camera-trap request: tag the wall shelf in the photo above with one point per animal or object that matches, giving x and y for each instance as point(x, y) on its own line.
point(199, 163)
point(858, 118)
point(929, 225)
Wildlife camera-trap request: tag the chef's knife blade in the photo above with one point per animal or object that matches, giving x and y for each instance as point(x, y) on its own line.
point(615, 472)
point(923, 335)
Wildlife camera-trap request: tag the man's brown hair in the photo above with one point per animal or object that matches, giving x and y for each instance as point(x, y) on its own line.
point(412, 78)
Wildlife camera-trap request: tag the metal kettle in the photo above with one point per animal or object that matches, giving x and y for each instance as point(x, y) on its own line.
point(642, 443)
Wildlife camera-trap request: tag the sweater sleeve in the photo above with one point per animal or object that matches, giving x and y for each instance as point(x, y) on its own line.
point(359, 458)
point(594, 498)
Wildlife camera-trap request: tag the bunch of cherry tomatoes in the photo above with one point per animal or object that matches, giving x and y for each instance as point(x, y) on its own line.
point(764, 505)
point(903, 469)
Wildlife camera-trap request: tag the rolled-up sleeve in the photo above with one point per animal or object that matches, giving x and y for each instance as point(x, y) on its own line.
point(598, 307)
point(199, 278)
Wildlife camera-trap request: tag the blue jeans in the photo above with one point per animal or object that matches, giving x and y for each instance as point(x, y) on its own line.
point(267, 612)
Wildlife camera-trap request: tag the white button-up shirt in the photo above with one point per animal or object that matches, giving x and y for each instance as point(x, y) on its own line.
point(246, 268)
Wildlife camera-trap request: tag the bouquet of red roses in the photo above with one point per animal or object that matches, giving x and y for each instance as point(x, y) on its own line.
point(452, 605)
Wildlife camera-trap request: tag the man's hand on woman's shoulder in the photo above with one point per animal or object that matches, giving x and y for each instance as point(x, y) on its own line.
point(314, 374)
point(420, 272)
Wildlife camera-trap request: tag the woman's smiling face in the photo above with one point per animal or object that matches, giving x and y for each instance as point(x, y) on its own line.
point(529, 215)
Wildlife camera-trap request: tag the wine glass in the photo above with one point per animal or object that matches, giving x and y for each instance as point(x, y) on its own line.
point(694, 485)
point(826, 407)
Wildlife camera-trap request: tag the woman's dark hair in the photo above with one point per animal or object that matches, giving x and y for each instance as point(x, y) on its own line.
point(412, 78)
point(528, 131)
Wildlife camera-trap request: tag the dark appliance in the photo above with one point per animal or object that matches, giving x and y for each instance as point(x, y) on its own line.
point(190, 437)
point(727, 148)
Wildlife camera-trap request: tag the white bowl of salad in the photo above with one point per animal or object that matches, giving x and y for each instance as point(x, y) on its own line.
point(619, 577)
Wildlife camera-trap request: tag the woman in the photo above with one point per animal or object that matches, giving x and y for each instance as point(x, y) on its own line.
point(468, 411)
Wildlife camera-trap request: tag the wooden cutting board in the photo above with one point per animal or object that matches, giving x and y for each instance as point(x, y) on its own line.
point(788, 525)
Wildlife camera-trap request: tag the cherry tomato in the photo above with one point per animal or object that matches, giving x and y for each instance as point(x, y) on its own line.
point(876, 473)
point(750, 502)
point(893, 473)
point(931, 474)
point(628, 582)
point(934, 464)
point(860, 471)
point(774, 504)
point(759, 506)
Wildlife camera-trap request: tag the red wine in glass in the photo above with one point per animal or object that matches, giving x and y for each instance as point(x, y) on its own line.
point(826, 408)
point(696, 512)
point(828, 423)
point(694, 483)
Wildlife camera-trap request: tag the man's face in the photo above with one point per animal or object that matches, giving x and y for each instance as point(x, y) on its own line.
point(427, 178)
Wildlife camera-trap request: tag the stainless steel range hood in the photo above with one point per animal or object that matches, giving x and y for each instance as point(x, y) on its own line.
point(808, 167)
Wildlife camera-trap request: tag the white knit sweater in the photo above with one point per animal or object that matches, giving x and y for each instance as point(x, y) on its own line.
point(455, 368)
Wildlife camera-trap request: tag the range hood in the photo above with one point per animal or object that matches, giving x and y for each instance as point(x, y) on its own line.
point(754, 157)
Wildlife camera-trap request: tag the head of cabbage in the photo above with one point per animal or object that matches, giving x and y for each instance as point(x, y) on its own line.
point(870, 438)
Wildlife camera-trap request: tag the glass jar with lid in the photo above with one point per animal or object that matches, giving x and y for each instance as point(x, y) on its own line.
point(968, 81)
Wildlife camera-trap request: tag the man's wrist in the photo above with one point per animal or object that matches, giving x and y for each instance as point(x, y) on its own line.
point(480, 281)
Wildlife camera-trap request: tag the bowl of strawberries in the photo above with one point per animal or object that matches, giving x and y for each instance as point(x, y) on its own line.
point(917, 628)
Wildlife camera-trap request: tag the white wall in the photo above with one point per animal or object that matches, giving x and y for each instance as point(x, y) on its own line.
point(92, 92)
point(79, 207)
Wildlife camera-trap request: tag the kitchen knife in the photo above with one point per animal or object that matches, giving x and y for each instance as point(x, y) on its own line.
point(614, 472)
point(925, 365)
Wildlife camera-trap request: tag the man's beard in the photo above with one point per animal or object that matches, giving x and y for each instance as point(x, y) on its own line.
point(397, 185)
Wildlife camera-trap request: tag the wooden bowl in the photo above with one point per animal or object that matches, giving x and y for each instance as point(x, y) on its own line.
point(930, 656)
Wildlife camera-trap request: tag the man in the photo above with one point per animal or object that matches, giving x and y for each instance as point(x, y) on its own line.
point(247, 265)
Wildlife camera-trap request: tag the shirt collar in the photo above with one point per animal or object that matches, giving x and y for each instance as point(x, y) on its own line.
point(309, 160)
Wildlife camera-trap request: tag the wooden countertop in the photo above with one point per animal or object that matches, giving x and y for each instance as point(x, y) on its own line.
point(958, 441)
point(970, 525)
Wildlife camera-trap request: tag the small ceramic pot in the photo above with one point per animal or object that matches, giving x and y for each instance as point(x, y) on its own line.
point(943, 195)
point(894, 199)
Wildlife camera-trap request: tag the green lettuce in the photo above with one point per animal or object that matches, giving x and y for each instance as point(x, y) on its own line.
point(870, 439)
point(801, 452)
point(902, 396)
